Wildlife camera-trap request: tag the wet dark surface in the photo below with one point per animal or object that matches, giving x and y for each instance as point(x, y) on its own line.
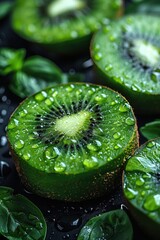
point(64, 220)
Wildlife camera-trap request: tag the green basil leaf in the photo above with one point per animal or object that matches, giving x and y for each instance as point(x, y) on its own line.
point(11, 60)
point(39, 73)
point(5, 8)
point(151, 130)
point(20, 218)
point(143, 7)
point(113, 225)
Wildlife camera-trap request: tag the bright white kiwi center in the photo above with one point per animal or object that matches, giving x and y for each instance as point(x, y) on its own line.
point(59, 7)
point(146, 52)
point(72, 124)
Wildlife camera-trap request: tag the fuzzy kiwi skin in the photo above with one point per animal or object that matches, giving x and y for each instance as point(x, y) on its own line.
point(80, 187)
point(68, 46)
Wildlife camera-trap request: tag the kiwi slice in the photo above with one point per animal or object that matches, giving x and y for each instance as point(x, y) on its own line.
point(62, 25)
point(70, 141)
point(126, 54)
point(142, 187)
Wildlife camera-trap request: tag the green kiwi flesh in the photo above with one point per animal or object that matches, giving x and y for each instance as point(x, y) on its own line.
point(70, 141)
point(62, 25)
point(126, 55)
point(141, 187)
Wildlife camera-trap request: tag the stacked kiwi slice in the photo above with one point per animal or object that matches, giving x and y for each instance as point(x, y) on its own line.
point(70, 142)
point(141, 187)
point(126, 54)
point(62, 25)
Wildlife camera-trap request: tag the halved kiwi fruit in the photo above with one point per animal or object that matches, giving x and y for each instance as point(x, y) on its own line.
point(70, 141)
point(127, 56)
point(141, 187)
point(62, 25)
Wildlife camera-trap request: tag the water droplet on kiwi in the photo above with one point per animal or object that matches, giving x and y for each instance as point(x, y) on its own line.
point(40, 96)
point(140, 181)
point(90, 163)
point(92, 147)
point(98, 98)
point(155, 76)
point(152, 203)
point(4, 169)
point(98, 56)
point(12, 124)
point(51, 153)
point(143, 193)
point(117, 135)
point(118, 146)
point(129, 121)
point(48, 102)
point(34, 146)
point(60, 167)
point(108, 67)
point(23, 113)
point(19, 144)
point(150, 144)
point(130, 193)
point(26, 156)
point(124, 108)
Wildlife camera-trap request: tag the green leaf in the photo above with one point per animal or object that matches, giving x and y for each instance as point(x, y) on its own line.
point(11, 60)
point(5, 8)
point(38, 73)
point(113, 225)
point(143, 7)
point(20, 218)
point(151, 130)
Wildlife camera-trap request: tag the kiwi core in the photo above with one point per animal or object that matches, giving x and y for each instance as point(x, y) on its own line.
point(72, 124)
point(60, 7)
point(146, 52)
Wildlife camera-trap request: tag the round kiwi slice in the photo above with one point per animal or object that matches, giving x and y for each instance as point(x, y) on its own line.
point(70, 141)
point(62, 25)
point(141, 187)
point(127, 56)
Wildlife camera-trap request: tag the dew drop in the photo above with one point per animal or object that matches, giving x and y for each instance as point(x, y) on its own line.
point(118, 146)
point(51, 153)
point(90, 163)
point(34, 146)
point(130, 193)
point(140, 181)
point(26, 156)
point(124, 108)
point(48, 102)
point(40, 96)
point(98, 56)
point(129, 121)
point(23, 113)
point(155, 76)
point(108, 67)
point(92, 147)
point(98, 99)
point(68, 223)
point(117, 135)
point(150, 144)
point(152, 203)
point(4, 169)
point(60, 167)
point(19, 144)
point(12, 124)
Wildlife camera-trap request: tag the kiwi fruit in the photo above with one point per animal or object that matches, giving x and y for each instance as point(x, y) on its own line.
point(141, 187)
point(70, 142)
point(62, 25)
point(126, 55)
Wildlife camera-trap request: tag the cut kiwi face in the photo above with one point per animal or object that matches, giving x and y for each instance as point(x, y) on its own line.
point(70, 141)
point(141, 187)
point(60, 25)
point(127, 57)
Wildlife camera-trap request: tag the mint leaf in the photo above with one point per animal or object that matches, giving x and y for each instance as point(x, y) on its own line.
point(151, 130)
point(20, 218)
point(5, 8)
point(11, 60)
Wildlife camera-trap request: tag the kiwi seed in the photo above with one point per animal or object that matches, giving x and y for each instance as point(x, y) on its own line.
point(127, 56)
